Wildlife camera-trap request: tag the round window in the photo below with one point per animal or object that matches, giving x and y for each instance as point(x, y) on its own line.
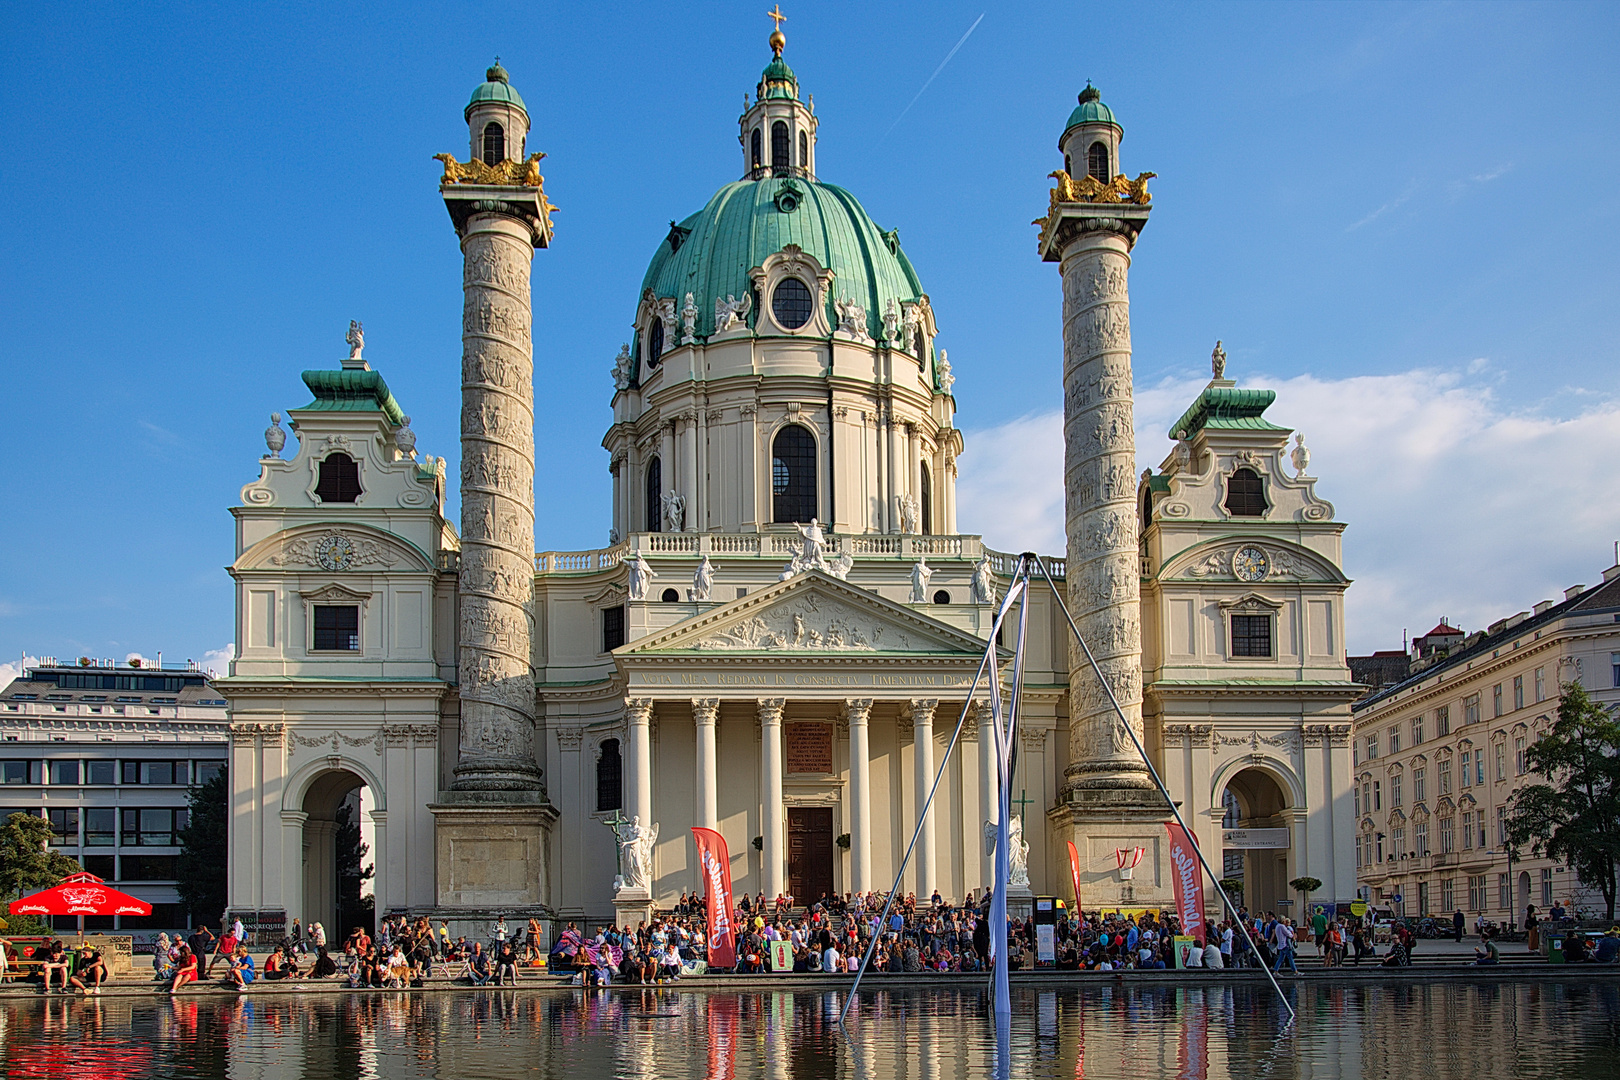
point(942, 597)
point(790, 303)
point(670, 596)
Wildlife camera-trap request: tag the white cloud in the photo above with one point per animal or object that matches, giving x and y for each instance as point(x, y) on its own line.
point(1457, 504)
point(14, 668)
point(217, 662)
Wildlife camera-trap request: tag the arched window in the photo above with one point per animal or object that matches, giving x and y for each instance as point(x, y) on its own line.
point(339, 481)
point(494, 144)
point(790, 303)
point(755, 147)
point(1147, 508)
point(670, 596)
point(793, 475)
point(804, 151)
point(1245, 494)
point(655, 342)
point(926, 491)
point(1068, 166)
point(655, 496)
point(610, 777)
point(918, 344)
point(781, 149)
point(1097, 161)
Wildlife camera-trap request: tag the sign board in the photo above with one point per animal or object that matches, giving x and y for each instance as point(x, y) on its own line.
point(1255, 839)
point(117, 949)
point(807, 748)
point(1045, 943)
point(1397, 899)
point(781, 956)
point(1358, 908)
point(1184, 944)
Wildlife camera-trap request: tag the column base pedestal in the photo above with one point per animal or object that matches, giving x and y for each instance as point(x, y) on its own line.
point(1020, 902)
point(632, 906)
point(1101, 821)
point(492, 851)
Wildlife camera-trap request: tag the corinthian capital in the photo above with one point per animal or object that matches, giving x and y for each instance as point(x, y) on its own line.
point(705, 710)
point(770, 711)
point(638, 710)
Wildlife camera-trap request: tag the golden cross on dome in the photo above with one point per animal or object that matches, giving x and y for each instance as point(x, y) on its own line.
point(776, 13)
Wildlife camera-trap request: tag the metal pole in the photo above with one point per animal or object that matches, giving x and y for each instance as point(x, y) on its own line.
point(1158, 782)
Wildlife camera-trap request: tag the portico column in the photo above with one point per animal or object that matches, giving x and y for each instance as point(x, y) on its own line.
point(770, 793)
point(987, 788)
point(638, 712)
point(704, 713)
point(857, 711)
point(921, 714)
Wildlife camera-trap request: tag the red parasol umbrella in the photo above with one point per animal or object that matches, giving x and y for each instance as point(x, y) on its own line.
point(80, 894)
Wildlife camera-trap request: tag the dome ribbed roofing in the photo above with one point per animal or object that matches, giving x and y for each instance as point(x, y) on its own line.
point(495, 87)
point(744, 223)
point(1091, 110)
point(778, 81)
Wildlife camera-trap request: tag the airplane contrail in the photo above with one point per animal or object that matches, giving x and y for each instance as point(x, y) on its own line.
point(935, 75)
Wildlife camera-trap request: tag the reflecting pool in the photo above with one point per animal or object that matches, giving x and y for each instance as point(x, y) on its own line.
point(1472, 1030)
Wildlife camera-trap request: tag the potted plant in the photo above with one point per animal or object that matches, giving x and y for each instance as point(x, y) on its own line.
point(843, 841)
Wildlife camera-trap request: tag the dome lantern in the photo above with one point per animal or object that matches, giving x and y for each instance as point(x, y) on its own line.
point(497, 120)
point(1090, 140)
point(778, 131)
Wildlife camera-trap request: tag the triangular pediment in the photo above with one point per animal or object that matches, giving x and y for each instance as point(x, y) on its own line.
point(811, 613)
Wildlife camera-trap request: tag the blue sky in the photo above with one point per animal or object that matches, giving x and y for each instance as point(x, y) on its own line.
point(1403, 217)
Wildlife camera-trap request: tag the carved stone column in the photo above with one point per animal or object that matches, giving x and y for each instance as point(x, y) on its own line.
point(770, 794)
point(921, 714)
point(497, 507)
point(1100, 512)
point(705, 711)
point(638, 716)
point(858, 711)
point(988, 806)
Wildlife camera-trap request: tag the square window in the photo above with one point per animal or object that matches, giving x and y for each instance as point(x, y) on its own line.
point(337, 628)
point(1251, 635)
point(103, 866)
point(64, 772)
point(207, 770)
point(64, 825)
point(100, 825)
point(612, 628)
point(100, 772)
point(1395, 740)
point(1442, 720)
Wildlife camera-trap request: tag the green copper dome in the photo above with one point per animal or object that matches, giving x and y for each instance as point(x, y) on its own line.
point(495, 87)
point(777, 81)
point(747, 221)
point(1091, 110)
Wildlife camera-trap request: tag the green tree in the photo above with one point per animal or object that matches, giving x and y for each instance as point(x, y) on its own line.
point(1305, 886)
point(204, 851)
point(27, 865)
point(1574, 816)
point(352, 873)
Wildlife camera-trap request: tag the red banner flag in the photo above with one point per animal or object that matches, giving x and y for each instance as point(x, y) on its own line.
point(715, 863)
point(1074, 872)
point(1188, 881)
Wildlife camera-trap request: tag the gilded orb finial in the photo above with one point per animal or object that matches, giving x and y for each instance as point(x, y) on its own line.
point(778, 41)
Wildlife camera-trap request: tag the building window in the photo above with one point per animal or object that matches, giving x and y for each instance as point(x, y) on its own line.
point(1468, 830)
point(655, 496)
point(494, 144)
point(1356, 792)
point(754, 157)
point(153, 772)
point(670, 596)
point(100, 826)
point(339, 480)
point(1420, 837)
point(1097, 162)
point(100, 772)
point(64, 826)
point(1378, 796)
point(1501, 761)
point(148, 868)
point(1448, 894)
point(1471, 709)
point(149, 827)
point(1504, 893)
point(1423, 897)
point(1397, 842)
point(610, 777)
point(64, 772)
point(655, 342)
point(1501, 828)
point(1614, 669)
point(20, 772)
point(1541, 681)
point(804, 151)
point(1496, 700)
point(1420, 783)
point(1476, 893)
point(1442, 720)
point(1395, 790)
point(1466, 759)
point(942, 597)
point(1479, 766)
point(781, 159)
point(1395, 739)
point(925, 490)
point(1518, 755)
point(207, 770)
point(1372, 747)
point(337, 628)
point(1518, 692)
point(1417, 729)
point(1546, 886)
point(612, 628)
point(1245, 494)
point(790, 303)
point(1251, 635)
point(1444, 765)
point(1448, 835)
point(793, 474)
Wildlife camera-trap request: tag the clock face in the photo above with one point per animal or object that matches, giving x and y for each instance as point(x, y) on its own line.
point(334, 551)
point(1250, 564)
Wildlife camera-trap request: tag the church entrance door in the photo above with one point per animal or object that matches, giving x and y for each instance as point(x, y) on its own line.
point(810, 852)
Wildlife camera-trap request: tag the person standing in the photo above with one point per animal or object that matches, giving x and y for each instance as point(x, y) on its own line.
point(1319, 925)
point(297, 936)
point(1531, 931)
point(1457, 923)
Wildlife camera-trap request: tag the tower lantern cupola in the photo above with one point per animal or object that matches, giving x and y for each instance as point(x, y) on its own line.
point(777, 131)
point(497, 121)
point(1090, 140)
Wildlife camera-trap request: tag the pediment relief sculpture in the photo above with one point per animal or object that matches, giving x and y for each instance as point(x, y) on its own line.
point(1252, 561)
point(334, 550)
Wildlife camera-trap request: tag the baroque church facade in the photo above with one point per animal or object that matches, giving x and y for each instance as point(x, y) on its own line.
point(779, 641)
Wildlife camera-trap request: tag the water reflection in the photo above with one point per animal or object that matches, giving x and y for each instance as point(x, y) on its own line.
point(1477, 1031)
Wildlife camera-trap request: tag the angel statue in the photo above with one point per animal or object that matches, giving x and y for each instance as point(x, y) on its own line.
point(728, 313)
point(675, 511)
point(641, 576)
point(1017, 854)
point(636, 844)
point(356, 337)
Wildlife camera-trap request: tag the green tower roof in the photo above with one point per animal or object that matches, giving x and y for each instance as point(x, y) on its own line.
point(351, 390)
point(746, 221)
point(1091, 110)
point(495, 87)
point(778, 81)
point(1227, 407)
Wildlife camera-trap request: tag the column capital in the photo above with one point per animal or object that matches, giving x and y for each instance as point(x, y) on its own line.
point(857, 710)
point(770, 711)
point(920, 710)
point(705, 710)
point(638, 710)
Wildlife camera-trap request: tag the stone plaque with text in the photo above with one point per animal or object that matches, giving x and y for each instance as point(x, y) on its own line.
point(808, 748)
